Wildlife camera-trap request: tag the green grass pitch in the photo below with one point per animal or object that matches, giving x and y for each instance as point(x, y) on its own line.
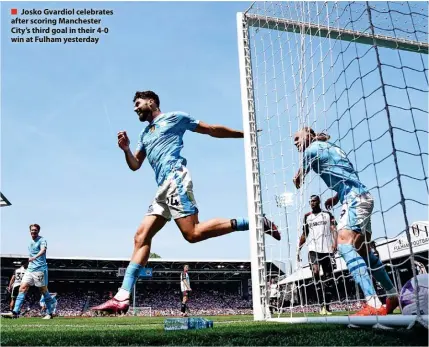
point(227, 331)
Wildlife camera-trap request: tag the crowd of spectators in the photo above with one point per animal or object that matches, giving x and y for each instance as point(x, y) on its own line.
point(165, 301)
point(162, 301)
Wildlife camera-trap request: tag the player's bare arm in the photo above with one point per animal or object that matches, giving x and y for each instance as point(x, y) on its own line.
point(299, 178)
point(334, 237)
point(11, 282)
point(218, 131)
point(135, 160)
point(334, 232)
point(303, 238)
point(331, 202)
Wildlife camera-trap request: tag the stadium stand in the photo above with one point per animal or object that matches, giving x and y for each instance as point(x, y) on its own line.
point(219, 287)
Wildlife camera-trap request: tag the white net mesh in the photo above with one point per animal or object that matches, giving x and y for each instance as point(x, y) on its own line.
point(357, 71)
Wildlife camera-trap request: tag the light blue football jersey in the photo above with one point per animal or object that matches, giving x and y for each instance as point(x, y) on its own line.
point(39, 264)
point(162, 140)
point(333, 166)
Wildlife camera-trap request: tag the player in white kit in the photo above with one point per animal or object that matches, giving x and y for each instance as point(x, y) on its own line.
point(15, 282)
point(185, 287)
point(320, 235)
point(274, 295)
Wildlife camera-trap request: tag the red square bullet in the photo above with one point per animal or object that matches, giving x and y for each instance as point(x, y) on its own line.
point(13, 11)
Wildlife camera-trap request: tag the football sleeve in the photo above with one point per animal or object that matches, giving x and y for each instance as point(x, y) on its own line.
point(187, 122)
point(140, 145)
point(43, 244)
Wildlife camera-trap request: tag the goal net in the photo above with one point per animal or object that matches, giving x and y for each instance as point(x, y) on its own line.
point(357, 71)
point(142, 311)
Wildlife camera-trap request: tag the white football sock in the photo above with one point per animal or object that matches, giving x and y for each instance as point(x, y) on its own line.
point(373, 301)
point(122, 295)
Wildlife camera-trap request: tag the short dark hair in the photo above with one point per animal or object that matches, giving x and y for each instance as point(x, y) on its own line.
point(316, 136)
point(314, 196)
point(24, 263)
point(37, 226)
point(148, 94)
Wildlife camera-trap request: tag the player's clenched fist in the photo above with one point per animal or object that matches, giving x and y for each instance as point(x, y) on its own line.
point(123, 141)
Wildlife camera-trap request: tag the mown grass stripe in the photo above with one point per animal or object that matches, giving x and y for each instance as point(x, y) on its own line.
point(136, 331)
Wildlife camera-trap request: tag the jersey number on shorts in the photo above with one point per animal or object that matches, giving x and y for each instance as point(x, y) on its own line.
point(40, 278)
point(172, 201)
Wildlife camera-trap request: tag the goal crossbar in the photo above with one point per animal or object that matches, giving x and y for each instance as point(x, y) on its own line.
point(281, 24)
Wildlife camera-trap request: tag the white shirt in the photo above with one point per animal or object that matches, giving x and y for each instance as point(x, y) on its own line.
point(184, 277)
point(273, 290)
point(317, 227)
point(19, 274)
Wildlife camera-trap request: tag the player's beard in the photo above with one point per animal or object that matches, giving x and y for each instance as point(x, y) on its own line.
point(144, 114)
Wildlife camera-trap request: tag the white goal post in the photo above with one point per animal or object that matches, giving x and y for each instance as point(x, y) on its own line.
point(357, 71)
